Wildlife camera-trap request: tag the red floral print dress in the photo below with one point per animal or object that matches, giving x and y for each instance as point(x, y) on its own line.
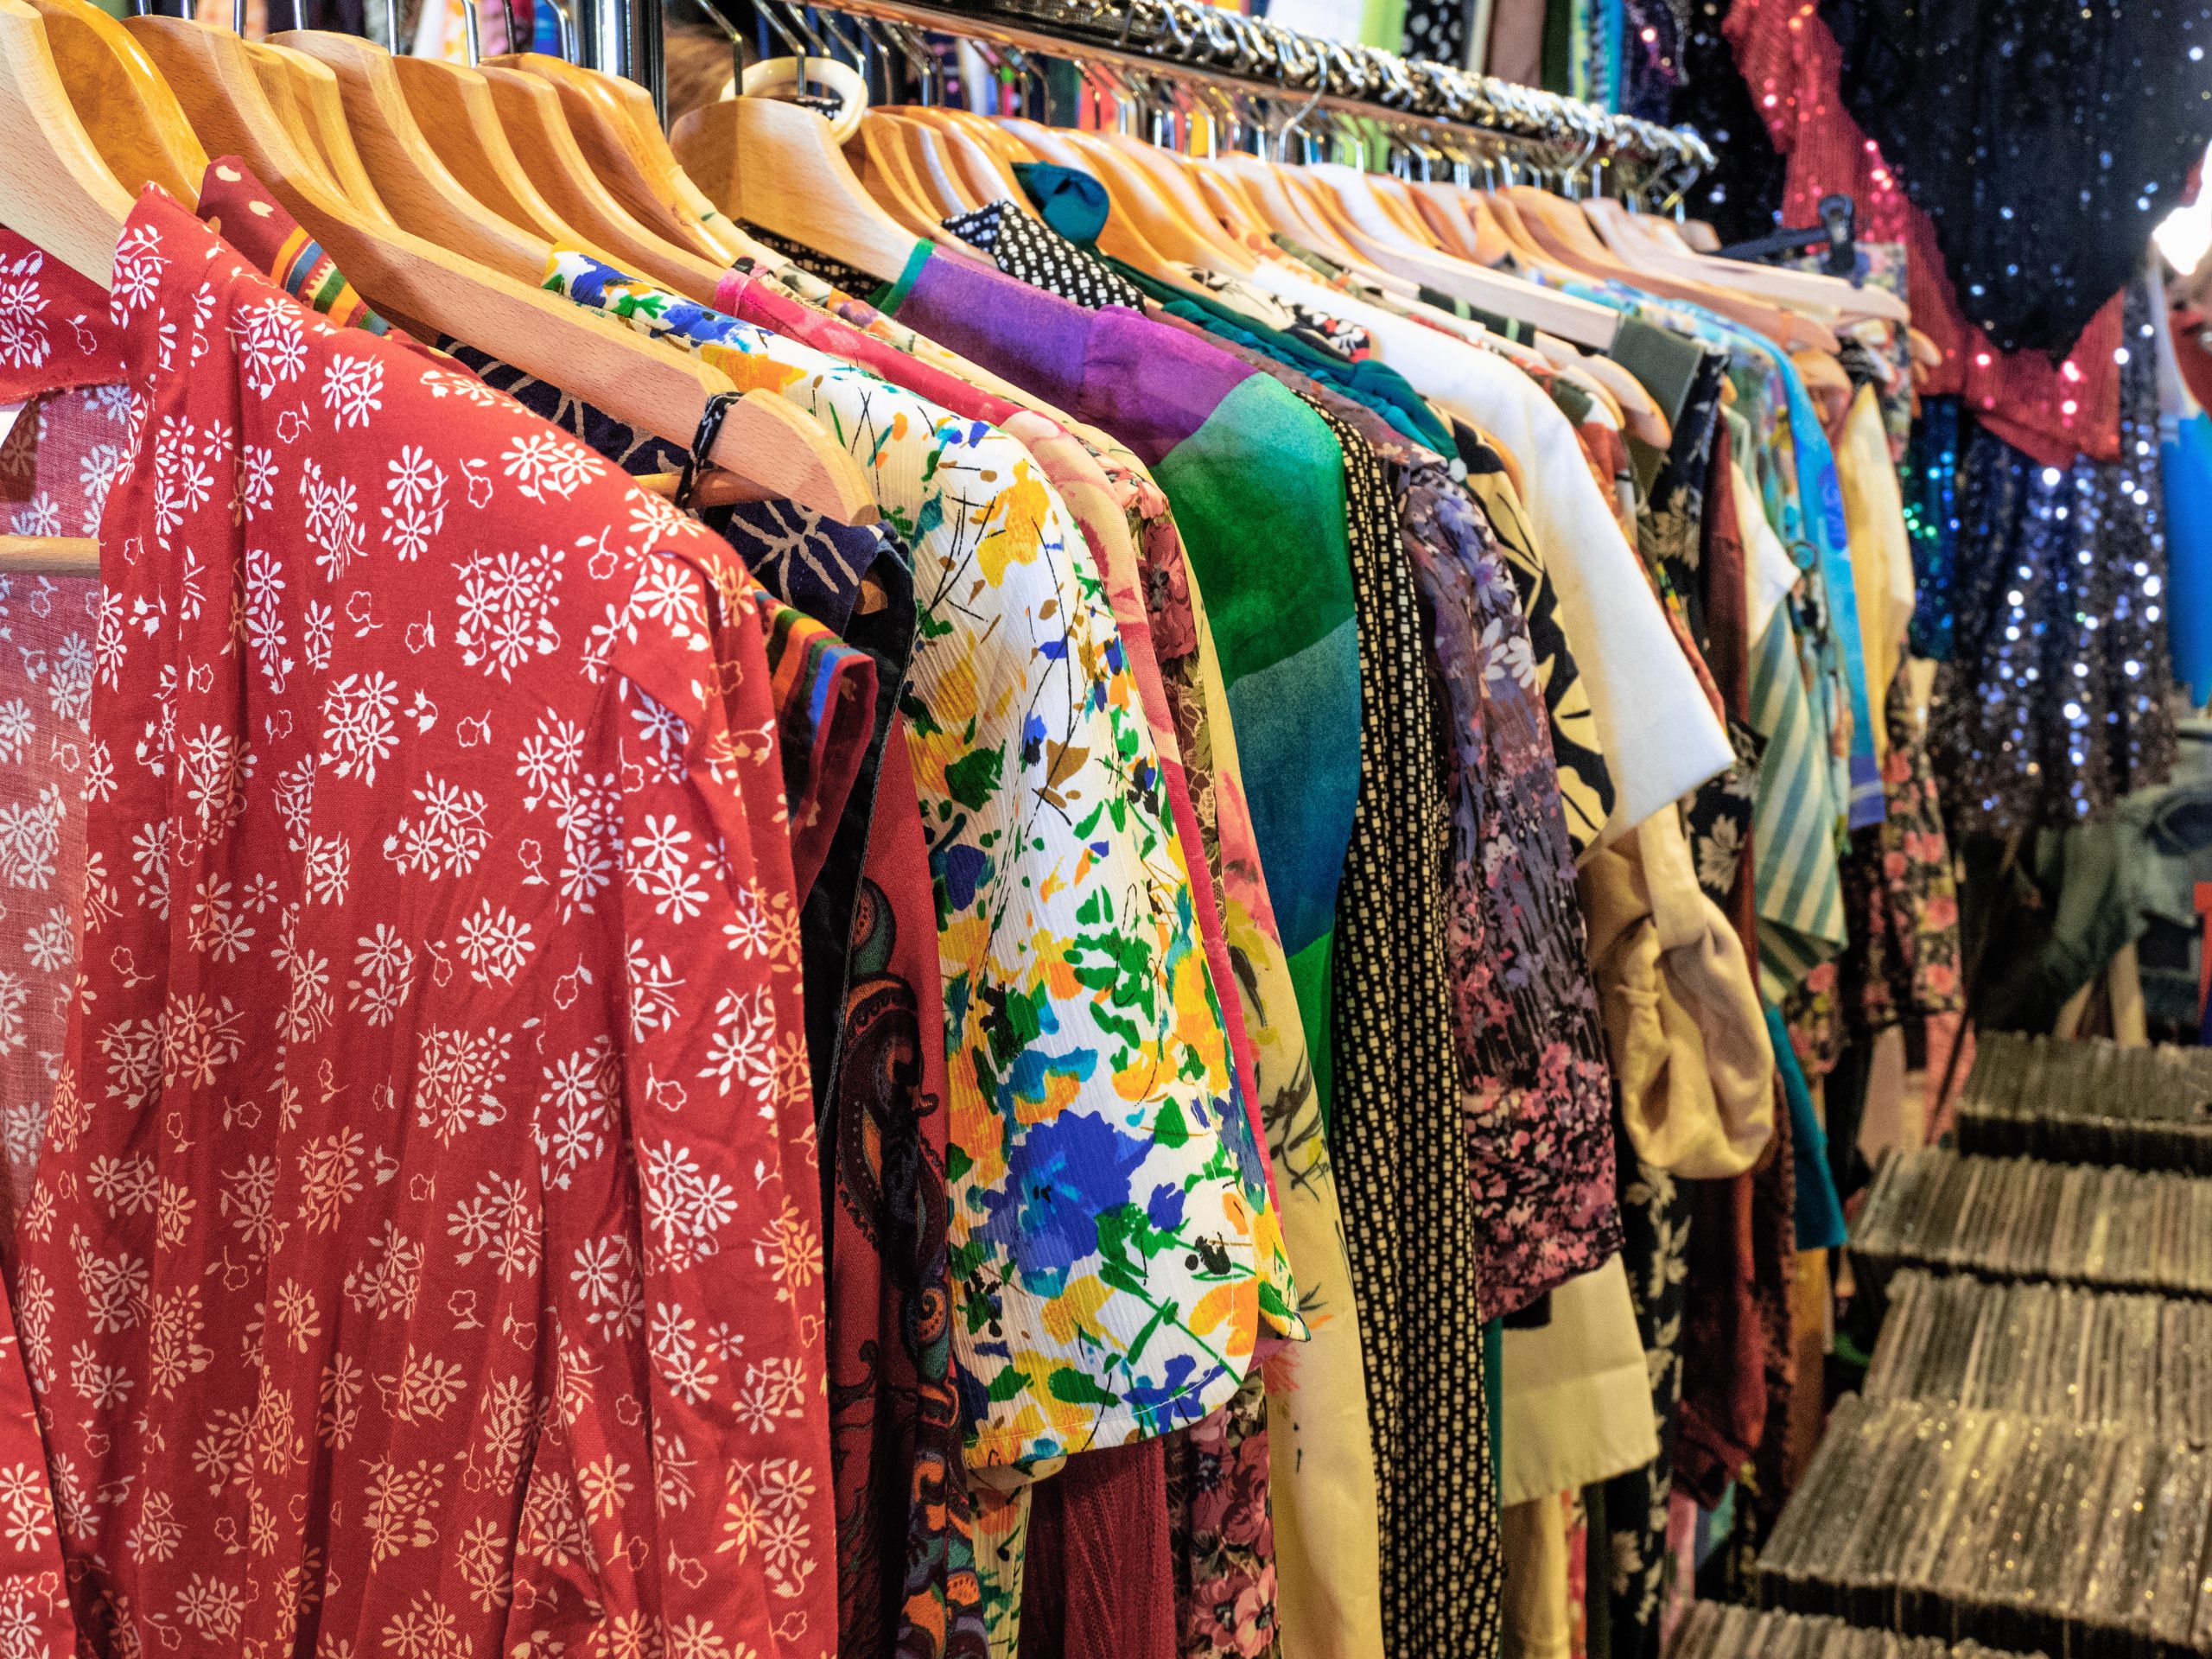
point(424, 1258)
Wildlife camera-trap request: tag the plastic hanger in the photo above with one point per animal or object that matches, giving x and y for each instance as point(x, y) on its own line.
point(774, 165)
point(135, 122)
point(769, 445)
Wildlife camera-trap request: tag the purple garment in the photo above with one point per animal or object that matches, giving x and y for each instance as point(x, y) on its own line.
point(1152, 386)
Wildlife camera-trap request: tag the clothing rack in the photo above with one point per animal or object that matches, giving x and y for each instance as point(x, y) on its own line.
point(1236, 58)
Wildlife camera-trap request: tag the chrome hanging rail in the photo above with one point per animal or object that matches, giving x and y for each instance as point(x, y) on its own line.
point(1437, 113)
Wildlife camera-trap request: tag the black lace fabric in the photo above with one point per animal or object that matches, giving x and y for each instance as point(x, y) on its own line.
point(2044, 138)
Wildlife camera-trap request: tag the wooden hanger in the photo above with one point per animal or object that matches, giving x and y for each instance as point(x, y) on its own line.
point(277, 87)
point(1225, 197)
point(1698, 236)
point(1631, 236)
point(774, 165)
point(420, 189)
point(1123, 236)
point(647, 383)
point(135, 122)
point(991, 134)
point(1492, 246)
point(1164, 169)
point(538, 132)
point(321, 124)
point(49, 556)
point(1524, 248)
point(1450, 224)
point(1265, 186)
point(797, 79)
point(1397, 203)
point(651, 147)
point(1639, 411)
point(602, 128)
point(890, 176)
point(452, 105)
point(56, 189)
point(1566, 234)
point(986, 173)
point(1367, 227)
point(929, 162)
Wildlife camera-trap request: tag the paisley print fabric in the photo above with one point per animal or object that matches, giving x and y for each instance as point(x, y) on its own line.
point(1656, 1218)
point(907, 1584)
point(1113, 1247)
point(601, 1093)
point(1224, 1531)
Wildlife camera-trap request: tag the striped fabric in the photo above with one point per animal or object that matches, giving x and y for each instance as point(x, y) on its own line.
point(824, 693)
point(302, 270)
point(1796, 883)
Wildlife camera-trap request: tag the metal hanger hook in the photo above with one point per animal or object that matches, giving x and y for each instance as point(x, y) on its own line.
point(1320, 88)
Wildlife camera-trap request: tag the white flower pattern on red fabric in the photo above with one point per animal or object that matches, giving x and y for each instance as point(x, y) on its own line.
point(382, 1173)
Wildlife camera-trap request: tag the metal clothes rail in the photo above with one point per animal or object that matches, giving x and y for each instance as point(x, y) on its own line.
point(1231, 58)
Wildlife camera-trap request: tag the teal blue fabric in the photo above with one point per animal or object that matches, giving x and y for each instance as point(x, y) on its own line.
point(2185, 468)
point(1373, 383)
point(1072, 202)
point(1820, 1212)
